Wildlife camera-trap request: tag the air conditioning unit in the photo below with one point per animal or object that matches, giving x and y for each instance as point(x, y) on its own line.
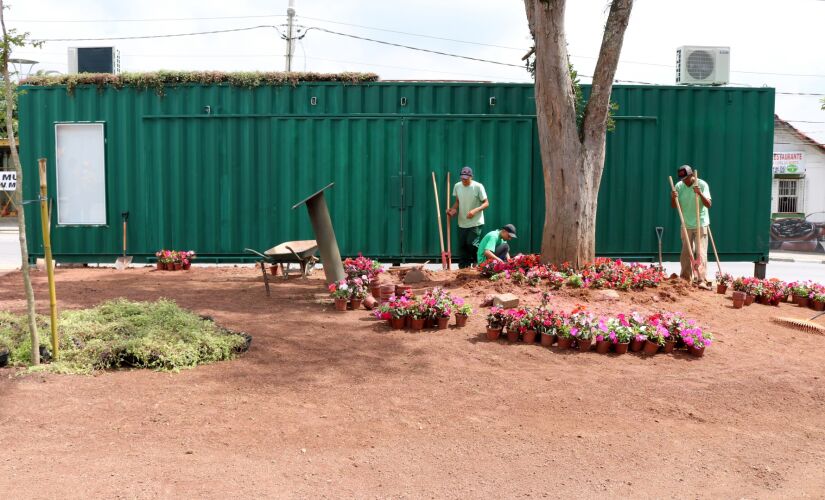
point(94, 60)
point(702, 65)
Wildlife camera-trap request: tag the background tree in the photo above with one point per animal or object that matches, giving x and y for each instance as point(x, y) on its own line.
point(12, 39)
point(572, 151)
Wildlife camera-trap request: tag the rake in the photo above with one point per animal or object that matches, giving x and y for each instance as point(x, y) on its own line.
point(806, 325)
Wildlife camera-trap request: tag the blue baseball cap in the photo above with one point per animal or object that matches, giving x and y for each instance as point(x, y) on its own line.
point(466, 172)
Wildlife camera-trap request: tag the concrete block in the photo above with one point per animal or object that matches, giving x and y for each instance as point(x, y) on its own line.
point(505, 300)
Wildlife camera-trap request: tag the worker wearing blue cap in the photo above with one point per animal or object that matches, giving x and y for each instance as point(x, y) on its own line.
point(470, 202)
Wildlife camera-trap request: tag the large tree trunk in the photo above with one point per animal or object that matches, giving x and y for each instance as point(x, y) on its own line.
point(572, 158)
point(18, 193)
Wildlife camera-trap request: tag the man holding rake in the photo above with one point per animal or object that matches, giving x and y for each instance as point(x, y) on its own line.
point(688, 191)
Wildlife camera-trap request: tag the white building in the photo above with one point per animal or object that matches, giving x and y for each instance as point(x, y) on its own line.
point(798, 193)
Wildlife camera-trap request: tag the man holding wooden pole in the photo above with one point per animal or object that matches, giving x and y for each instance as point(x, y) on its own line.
point(692, 196)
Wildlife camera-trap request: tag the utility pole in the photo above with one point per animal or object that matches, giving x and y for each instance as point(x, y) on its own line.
point(290, 14)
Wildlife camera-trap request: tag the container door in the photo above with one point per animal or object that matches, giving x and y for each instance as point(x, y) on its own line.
point(500, 152)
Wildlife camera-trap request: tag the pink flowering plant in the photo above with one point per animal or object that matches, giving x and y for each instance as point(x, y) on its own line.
point(697, 338)
point(462, 307)
point(724, 279)
point(583, 324)
point(358, 288)
point(438, 302)
point(362, 267)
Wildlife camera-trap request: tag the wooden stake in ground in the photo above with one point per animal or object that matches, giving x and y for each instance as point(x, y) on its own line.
point(685, 234)
point(45, 224)
point(697, 244)
point(440, 226)
point(12, 39)
point(449, 243)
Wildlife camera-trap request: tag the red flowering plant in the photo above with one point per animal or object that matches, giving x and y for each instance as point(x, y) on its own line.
point(362, 267)
point(556, 279)
point(340, 290)
point(166, 256)
point(658, 331)
point(497, 318)
point(520, 319)
point(723, 279)
point(400, 306)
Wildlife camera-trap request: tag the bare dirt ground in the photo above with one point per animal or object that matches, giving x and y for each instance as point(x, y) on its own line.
point(330, 404)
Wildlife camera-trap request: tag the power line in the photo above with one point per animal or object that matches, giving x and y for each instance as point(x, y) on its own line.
point(410, 47)
point(144, 20)
point(140, 37)
point(520, 49)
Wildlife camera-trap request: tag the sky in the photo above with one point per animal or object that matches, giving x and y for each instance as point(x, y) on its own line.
point(776, 44)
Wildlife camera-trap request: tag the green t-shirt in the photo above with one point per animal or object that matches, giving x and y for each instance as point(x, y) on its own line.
point(687, 200)
point(489, 242)
point(469, 197)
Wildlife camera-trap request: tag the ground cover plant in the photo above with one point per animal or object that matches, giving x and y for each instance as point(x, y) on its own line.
point(120, 333)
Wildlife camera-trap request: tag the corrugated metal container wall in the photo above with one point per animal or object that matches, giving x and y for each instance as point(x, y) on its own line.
point(725, 133)
point(221, 181)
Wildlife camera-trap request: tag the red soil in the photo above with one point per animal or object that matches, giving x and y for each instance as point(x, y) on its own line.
point(334, 404)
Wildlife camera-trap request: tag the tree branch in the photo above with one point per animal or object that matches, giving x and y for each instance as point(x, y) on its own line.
point(594, 124)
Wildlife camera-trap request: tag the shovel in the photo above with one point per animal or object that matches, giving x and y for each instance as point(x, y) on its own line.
point(123, 261)
point(659, 231)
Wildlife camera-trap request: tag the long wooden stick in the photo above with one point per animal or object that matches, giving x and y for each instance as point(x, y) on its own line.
point(449, 218)
point(440, 226)
point(682, 220)
point(713, 244)
point(697, 246)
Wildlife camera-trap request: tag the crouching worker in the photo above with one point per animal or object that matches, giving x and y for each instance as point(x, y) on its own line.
point(494, 244)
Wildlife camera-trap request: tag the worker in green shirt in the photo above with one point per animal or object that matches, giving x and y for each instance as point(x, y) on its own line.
point(470, 202)
point(688, 189)
point(494, 244)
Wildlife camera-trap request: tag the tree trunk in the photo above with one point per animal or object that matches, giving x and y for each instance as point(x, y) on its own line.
point(18, 194)
point(572, 158)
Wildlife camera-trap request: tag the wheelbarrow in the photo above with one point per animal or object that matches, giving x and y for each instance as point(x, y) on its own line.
point(291, 252)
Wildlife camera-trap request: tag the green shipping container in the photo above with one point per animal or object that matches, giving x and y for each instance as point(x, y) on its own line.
point(217, 168)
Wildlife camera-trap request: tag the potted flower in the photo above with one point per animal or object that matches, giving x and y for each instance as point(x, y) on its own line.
point(358, 292)
point(515, 324)
point(801, 292)
point(543, 324)
point(398, 308)
point(696, 340)
point(382, 312)
point(563, 328)
point(603, 341)
point(439, 305)
point(340, 292)
point(723, 281)
point(639, 330)
point(186, 259)
point(462, 312)
point(496, 320)
point(818, 299)
point(528, 323)
point(583, 325)
point(418, 312)
point(656, 334)
point(620, 333)
point(161, 265)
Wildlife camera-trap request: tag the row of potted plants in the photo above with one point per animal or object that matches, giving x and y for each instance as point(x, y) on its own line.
point(601, 273)
point(747, 290)
point(362, 274)
point(174, 260)
point(432, 310)
point(581, 329)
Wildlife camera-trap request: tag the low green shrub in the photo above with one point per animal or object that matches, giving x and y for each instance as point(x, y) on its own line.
point(120, 333)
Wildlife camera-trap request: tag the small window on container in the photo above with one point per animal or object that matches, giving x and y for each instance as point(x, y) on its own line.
point(81, 174)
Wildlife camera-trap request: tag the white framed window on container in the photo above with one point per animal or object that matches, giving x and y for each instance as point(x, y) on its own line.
point(81, 174)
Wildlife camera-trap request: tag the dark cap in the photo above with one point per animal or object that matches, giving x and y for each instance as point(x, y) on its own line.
point(466, 172)
point(510, 229)
point(685, 171)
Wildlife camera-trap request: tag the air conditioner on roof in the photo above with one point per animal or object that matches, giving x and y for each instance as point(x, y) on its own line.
point(702, 65)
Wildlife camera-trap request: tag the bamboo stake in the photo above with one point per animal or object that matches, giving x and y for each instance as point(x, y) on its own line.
point(440, 226)
point(449, 218)
point(697, 245)
point(682, 220)
point(45, 223)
